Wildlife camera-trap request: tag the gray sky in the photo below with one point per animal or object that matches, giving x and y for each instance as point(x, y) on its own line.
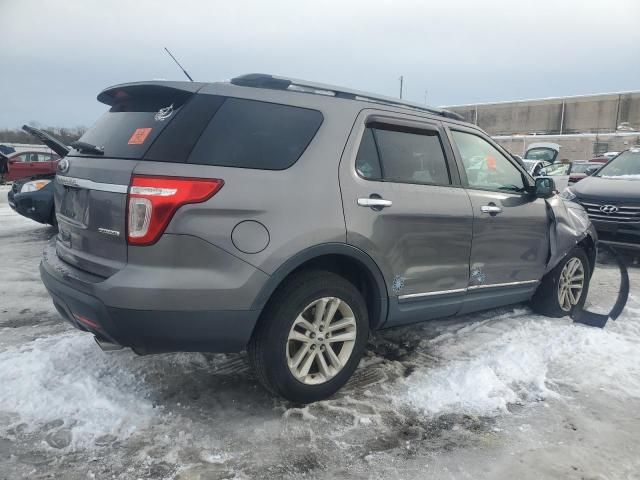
point(56, 55)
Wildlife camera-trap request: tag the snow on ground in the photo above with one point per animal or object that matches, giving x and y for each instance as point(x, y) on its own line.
point(498, 394)
point(514, 357)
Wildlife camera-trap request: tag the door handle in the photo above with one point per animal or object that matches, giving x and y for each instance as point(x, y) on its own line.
point(491, 209)
point(374, 202)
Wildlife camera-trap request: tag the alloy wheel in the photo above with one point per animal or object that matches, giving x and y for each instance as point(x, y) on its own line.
point(571, 284)
point(321, 340)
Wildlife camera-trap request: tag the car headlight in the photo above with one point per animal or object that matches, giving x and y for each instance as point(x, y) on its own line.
point(34, 186)
point(568, 194)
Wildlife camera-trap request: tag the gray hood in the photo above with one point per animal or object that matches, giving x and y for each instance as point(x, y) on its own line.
point(619, 188)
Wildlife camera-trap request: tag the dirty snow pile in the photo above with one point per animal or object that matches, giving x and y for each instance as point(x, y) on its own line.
point(519, 358)
point(65, 377)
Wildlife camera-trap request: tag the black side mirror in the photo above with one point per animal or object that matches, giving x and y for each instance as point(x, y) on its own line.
point(545, 187)
point(591, 170)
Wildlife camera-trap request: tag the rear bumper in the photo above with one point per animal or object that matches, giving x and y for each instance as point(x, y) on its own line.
point(83, 300)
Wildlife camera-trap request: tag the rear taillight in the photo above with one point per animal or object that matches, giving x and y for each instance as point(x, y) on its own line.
point(153, 201)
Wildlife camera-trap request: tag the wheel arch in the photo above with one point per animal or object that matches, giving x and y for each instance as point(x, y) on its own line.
point(589, 246)
point(345, 260)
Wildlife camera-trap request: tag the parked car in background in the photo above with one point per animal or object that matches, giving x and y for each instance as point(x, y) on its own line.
point(611, 197)
point(565, 174)
point(545, 151)
point(534, 166)
point(559, 172)
point(581, 169)
point(33, 198)
point(30, 163)
point(6, 149)
point(4, 167)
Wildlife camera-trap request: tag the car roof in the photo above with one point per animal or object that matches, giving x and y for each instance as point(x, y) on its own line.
point(331, 93)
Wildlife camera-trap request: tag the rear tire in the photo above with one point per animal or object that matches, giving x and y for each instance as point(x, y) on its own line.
point(310, 337)
point(564, 288)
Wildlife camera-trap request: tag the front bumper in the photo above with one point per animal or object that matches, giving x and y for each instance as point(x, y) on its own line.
point(82, 299)
point(38, 206)
point(618, 234)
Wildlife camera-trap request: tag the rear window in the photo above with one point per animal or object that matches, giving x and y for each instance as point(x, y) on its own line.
point(177, 126)
point(402, 155)
point(252, 134)
point(541, 153)
point(132, 124)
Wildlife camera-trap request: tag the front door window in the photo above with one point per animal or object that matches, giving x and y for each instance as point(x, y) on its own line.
point(486, 167)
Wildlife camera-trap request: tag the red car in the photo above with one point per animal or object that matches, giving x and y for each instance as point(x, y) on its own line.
point(30, 163)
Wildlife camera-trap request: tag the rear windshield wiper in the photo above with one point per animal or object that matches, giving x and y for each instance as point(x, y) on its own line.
point(84, 147)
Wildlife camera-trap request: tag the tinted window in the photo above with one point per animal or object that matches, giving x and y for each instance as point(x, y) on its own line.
point(130, 126)
point(486, 167)
point(542, 153)
point(394, 154)
point(251, 134)
point(580, 167)
point(627, 164)
point(367, 161)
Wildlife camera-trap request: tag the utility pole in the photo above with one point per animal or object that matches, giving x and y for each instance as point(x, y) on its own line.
point(401, 80)
point(425, 96)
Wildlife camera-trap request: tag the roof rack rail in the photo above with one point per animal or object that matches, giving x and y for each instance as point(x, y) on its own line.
point(262, 80)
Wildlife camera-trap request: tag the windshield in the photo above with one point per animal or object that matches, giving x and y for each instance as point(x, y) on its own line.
point(625, 165)
point(556, 169)
point(541, 153)
point(582, 167)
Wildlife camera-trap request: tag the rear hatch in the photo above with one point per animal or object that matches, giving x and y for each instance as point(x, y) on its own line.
point(92, 182)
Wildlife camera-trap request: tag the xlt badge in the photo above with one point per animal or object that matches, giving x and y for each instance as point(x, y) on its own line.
point(106, 231)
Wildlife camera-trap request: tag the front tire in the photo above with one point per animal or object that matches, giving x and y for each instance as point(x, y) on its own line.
point(311, 337)
point(564, 288)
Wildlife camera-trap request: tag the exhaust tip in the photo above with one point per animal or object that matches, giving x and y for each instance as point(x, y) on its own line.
point(107, 346)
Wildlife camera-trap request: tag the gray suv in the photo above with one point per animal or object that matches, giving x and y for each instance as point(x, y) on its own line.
point(291, 219)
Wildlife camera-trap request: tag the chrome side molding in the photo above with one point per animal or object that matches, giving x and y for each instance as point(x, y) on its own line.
point(465, 290)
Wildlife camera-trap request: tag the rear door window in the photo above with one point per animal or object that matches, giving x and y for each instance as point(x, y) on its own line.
point(402, 155)
point(368, 161)
point(253, 134)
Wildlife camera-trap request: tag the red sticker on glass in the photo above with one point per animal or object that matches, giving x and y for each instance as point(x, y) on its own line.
point(139, 136)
